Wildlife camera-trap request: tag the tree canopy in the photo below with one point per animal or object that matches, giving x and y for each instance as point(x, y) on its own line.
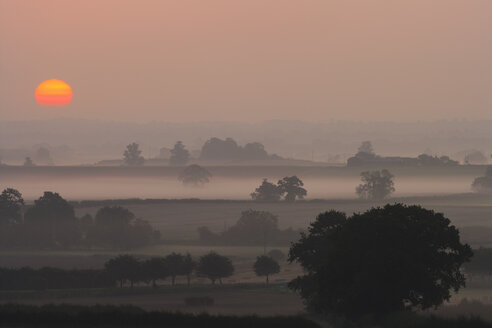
point(131, 156)
point(266, 266)
point(381, 261)
point(214, 267)
point(484, 184)
point(195, 175)
point(51, 221)
point(179, 154)
point(266, 192)
point(292, 188)
point(376, 185)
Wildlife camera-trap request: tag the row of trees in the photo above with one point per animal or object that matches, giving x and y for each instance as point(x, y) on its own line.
point(366, 156)
point(215, 267)
point(51, 223)
point(213, 149)
point(132, 156)
point(129, 269)
point(376, 185)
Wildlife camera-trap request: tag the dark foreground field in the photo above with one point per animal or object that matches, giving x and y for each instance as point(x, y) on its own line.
point(17, 315)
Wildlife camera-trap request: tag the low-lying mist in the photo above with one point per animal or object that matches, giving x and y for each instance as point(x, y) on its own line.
point(79, 188)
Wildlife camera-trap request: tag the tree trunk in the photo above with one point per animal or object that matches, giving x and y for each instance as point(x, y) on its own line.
point(267, 280)
point(121, 283)
point(131, 283)
point(188, 279)
point(154, 284)
point(173, 280)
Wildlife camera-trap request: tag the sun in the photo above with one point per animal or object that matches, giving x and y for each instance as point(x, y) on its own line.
point(53, 93)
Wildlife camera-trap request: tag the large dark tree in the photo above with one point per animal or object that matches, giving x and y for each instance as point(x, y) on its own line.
point(11, 203)
point(292, 187)
point(266, 192)
point(381, 261)
point(116, 226)
point(179, 154)
point(266, 266)
point(51, 221)
point(131, 156)
point(195, 175)
point(376, 185)
point(215, 267)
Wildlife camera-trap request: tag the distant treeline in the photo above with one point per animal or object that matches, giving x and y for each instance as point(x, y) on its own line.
point(53, 278)
point(366, 157)
point(131, 316)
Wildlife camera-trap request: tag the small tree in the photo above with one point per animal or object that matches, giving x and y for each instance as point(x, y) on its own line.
point(366, 148)
point(155, 268)
point(266, 266)
point(195, 175)
point(266, 192)
point(215, 267)
point(179, 154)
point(187, 267)
point(131, 156)
point(124, 267)
point(28, 162)
point(377, 185)
point(292, 187)
point(381, 261)
point(484, 184)
point(174, 263)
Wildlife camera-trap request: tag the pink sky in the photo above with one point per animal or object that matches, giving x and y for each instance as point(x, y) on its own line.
point(254, 60)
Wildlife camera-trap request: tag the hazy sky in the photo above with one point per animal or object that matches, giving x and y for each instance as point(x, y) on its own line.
point(249, 60)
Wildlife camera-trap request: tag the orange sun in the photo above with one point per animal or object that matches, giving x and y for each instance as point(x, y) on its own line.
point(53, 93)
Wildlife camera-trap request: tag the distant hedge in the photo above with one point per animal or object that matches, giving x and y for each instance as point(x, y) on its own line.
point(130, 316)
point(53, 278)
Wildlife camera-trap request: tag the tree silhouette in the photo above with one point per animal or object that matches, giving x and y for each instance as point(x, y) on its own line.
point(179, 154)
point(11, 203)
point(215, 267)
point(116, 226)
point(378, 262)
point(187, 267)
point(195, 175)
point(292, 187)
point(266, 266)
point(155, 268)
point(174, 263)
point(52, 221)
point(266, 192)
point(484, 184)
point(131, 156)
point(376, 185)
point(366, 148)
point(124, 267)
point(28, 162)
